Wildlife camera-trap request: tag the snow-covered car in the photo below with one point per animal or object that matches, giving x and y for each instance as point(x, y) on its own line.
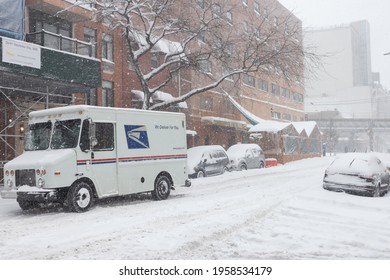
point(207, 160)
point(246, 156)
point(357, 173)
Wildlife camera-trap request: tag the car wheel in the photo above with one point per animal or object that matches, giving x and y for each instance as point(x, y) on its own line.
point(377, 191)
point(261, 164)
point(243, 167)
point(162, 188)
point(225, 169)
point(200, 174)
point(80, 197)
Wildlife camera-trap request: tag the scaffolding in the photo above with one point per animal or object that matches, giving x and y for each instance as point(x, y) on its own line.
point(16, 104)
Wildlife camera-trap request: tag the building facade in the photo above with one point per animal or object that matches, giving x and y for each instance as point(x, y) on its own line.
point(81, 59)
point(345, 80)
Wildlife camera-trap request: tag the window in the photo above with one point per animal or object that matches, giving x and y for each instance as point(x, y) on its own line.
point(286, 28)
point(204, 66)
point(276, 22)
point(201, 36)
point(65, 134)
point(265, 13)
point(38, 136)
point(90, 37)
point(257, 7)
point(206, 103)
point(107, 47)
point(230, 49)
point(40, 21)
point(275, 115)
point(286, 117)
point(228, 107)
point(229, 17)
point(246, 26)
point(263, 85)
point(286, 93)
point(201, 3)
point(107, 94)
point(216, 10)
point(257, 34)
point(155, 60)
point(298, 97)
point(227, 70)
point(275, 89)
point(104, 133)
point(217, 43)
point(249, 80)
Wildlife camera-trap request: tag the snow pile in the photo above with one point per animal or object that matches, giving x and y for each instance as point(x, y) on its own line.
point(158, 96)
point(272, 213)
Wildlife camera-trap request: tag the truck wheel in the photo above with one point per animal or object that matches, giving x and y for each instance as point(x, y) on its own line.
point(80, 197)
point(27, 205)
point(162, 188)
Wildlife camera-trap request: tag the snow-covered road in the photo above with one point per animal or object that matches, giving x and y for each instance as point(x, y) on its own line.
point(276, 213)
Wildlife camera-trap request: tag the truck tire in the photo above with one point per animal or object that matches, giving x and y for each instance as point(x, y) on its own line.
point(80, 197)
point(27, 205)
point(162, 188)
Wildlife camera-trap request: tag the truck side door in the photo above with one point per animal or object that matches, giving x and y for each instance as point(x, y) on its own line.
point(101, 162)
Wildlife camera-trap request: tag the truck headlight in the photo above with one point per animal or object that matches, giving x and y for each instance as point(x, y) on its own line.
point(41, 182)
point(10, 183)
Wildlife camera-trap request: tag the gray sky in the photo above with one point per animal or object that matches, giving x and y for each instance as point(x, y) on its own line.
point(319, 13)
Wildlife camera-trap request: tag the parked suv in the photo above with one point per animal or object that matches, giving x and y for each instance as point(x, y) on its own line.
point(205, 161)
point(246, 156)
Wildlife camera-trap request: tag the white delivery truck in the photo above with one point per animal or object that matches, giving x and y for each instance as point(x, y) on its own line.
point(76, 154)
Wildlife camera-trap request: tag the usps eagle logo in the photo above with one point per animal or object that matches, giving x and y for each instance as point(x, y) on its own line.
point(137, 137)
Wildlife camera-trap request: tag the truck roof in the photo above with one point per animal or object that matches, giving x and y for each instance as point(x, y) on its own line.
point(83, 108)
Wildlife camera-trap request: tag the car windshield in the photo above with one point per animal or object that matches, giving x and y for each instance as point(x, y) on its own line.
point(356, 165)
point(38, 136)
point(65, 134)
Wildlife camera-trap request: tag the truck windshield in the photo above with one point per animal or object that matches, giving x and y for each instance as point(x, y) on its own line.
point(38, 136)
point(65, 134)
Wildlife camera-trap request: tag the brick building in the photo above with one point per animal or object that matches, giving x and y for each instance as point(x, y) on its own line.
point(84, 61)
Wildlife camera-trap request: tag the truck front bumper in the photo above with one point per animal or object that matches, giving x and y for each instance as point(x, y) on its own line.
point(8, 194)
point(34, 194)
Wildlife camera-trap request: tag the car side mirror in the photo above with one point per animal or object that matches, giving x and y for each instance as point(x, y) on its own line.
point(205, 160)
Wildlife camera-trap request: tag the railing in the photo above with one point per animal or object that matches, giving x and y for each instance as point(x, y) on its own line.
point(60, 42)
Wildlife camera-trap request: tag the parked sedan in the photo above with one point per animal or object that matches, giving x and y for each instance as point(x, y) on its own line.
point(205, 161)
point(246, 156)
point(362, 174)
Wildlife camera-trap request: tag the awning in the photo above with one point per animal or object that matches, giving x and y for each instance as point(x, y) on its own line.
point(191, 132)
point(241, 125)
point(252, 119)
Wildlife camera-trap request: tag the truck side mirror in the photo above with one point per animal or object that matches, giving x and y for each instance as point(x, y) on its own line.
point(92, 134)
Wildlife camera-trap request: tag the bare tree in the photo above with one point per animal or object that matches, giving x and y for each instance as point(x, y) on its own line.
point(195, 34)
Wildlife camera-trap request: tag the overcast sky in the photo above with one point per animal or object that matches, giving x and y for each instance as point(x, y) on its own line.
point(319, 13)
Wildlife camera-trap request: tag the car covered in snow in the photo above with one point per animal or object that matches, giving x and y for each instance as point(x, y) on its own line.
point(357, 173)
point(246, 156)
point(206, 160)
